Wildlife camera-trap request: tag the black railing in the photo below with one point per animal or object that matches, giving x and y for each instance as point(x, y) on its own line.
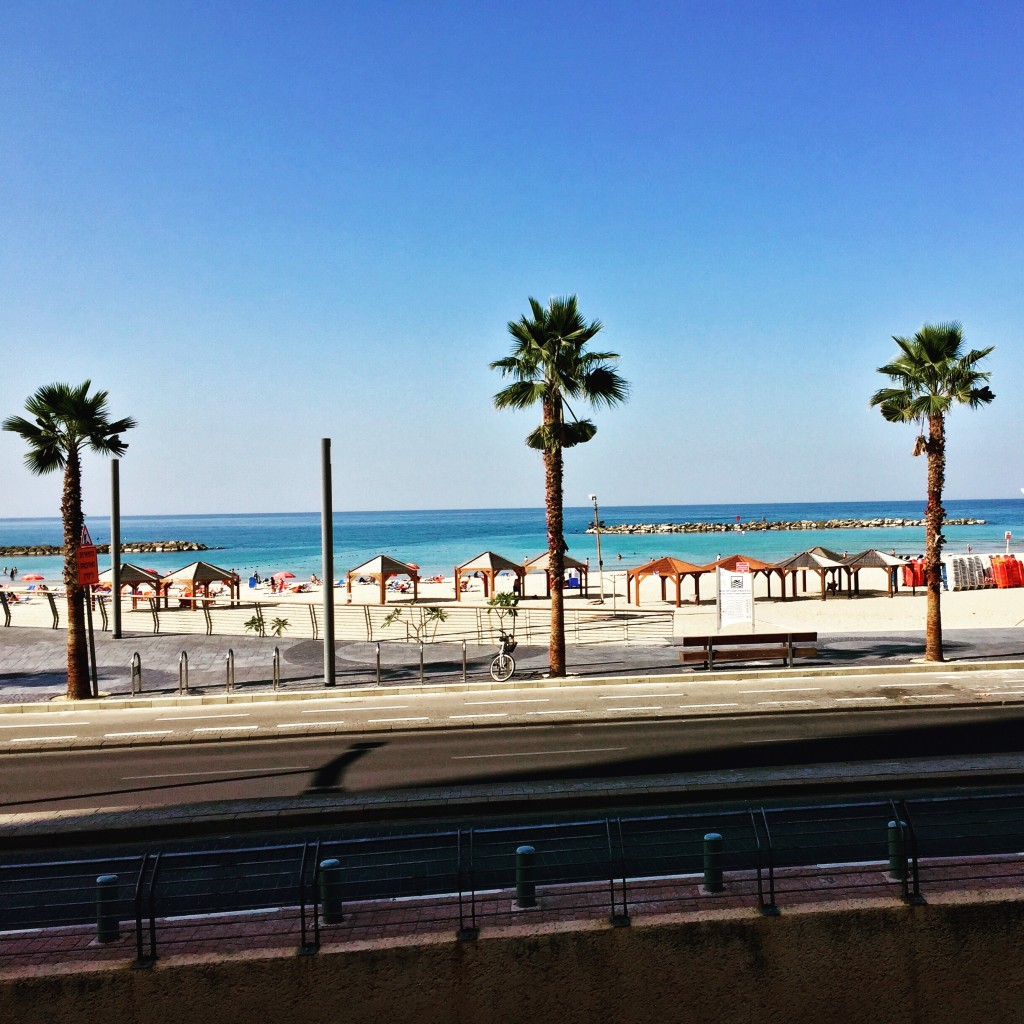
point(455, 881)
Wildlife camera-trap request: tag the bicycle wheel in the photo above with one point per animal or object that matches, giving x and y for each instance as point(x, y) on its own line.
point(502, 667)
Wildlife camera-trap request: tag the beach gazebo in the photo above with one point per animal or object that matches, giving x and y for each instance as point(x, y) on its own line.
point(133, 577)
point(542, 562)
point(822, 561)
point(381, 569)
point(668, 568)
point(198, 576)
point(747, 563)
point(873, 559)
point(487, 564)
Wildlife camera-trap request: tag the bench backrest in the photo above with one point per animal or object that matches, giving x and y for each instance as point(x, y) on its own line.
point(748, 639)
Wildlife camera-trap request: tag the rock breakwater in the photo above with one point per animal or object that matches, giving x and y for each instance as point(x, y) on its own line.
point(758, 525)
point(148, 547)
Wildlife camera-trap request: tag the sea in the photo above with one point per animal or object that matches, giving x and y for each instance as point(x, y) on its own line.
point(439, 539)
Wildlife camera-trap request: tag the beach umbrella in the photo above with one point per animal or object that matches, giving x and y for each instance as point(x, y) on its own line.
point(33, 576)
point(283, 575)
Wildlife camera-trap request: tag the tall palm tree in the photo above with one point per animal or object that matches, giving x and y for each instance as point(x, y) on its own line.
point(65, 421)
point(930, 375)
point(551, 367)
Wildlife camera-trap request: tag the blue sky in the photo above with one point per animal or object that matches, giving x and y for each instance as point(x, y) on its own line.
point(261, 224)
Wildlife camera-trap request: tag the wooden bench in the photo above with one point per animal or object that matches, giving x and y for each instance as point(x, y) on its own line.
point(709, 650)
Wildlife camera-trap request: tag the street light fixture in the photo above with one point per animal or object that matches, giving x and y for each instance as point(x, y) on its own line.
point(600, 563)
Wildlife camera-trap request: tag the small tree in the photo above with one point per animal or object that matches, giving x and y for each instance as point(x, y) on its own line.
point(504, 605)
point(420, 621)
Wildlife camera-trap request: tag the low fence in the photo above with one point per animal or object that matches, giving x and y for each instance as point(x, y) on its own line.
point(462, 880)
point(300, 620)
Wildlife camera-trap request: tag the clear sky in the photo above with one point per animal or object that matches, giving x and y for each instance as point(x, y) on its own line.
point(259, 224)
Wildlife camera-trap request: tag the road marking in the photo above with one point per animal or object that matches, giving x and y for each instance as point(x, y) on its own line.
point(537, 753)
point(221, 771)
point(787, 689)
point(372, 720)
point(649, 707)
point(482, 714)
point(850, 700)
point(382, 707)
point(901, 686)
point(149, 732)
point(524, 700)
point(565, 711)
point(1005, 693)
point(198, 718)
point(41, 725)
point(226, 728)
point(41, 739)
point(799, 701)
point(305, 725)
point(925, 696)
point(692, 706)
point(635, 696)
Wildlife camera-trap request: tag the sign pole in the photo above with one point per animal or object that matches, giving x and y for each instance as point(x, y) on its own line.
point(88, 577)
point(115, 545)
point(327, 557)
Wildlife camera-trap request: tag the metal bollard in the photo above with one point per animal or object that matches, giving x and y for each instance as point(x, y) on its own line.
point(421, 663)
point(230, 669)
point(463, 660)
point(183, 672)
point(897, 850)
point(378, 663)
point(330, 892)
point(108, 926)
point(277, 668)
point(136, 680)
point(526, 877)
point(713, 862)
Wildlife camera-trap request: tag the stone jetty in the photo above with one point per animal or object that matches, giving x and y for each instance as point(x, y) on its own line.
point(148, 547)
point(757, 525)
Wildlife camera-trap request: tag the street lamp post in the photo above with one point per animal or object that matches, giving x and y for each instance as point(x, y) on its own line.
point(600, 563)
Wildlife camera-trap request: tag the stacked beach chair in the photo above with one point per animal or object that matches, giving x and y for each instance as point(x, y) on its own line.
point(970, 573)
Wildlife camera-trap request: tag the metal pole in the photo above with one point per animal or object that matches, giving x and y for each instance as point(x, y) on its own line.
point(600, 562)
point(94, 676)
point(115, 543)
point(327, 558)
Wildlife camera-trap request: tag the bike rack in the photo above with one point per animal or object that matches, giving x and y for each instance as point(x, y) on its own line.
point(183, 672)
point(136, 677)
point(230, 666)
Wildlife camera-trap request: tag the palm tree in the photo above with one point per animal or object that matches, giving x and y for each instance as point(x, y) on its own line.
point(66, 420)
point(931, 374)
point(550, 367)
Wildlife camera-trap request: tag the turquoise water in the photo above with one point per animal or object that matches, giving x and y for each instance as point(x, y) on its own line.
point(437, 540)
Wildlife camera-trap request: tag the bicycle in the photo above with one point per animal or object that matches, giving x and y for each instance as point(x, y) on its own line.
point(503, 664)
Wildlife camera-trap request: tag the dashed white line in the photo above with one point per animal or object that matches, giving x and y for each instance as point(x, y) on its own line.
point(147, 732)
point(482, 714)
point(634, 696)
point(691, 707)
point(851, 700)
point(305, 725)
point(565, 711)
point(649, 707)
point(225, 771)
point(776, 702)
point(537, 753)
point(373, 720)
point(203, 718)
point(383, 707)
point(41, 739)
point(925, 696)
point(786, 689)
point(901, 686)
point(40, 725)
point(523, 700)
point(227, 728)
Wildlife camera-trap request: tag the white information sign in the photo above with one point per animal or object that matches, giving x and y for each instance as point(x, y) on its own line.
point(735, 598)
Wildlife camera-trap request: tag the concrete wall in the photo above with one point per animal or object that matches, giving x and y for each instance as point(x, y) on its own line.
point(954, 960)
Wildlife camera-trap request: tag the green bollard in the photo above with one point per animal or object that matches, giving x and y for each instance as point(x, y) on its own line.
point(713, 863)
point(526, 877)
point(108, 926)
point(897, 850)
point(330, 892)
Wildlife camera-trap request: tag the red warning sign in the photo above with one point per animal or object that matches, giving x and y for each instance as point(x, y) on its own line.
point(88, 566)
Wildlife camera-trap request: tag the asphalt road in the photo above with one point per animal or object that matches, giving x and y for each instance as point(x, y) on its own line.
point(154, 776)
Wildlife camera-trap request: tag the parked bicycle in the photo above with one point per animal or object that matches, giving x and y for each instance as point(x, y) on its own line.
point(503, 664)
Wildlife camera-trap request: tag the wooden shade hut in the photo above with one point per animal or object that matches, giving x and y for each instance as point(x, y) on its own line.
point(873, 559)
point(542, 563)
point(487, 565)
point(736, 563)
point(825, 563)
point(382, 568)
point(668, 568)
point(133, 577)
point(198, 576)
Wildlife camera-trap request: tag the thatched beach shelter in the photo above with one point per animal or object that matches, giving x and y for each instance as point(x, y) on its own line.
point(198, 576)
point(873, 559)
point(133, 577)
point(487, 565)
point(825, 563)
point(542, 563)
point(668, 568)
point(747, 563)
point(382, 568)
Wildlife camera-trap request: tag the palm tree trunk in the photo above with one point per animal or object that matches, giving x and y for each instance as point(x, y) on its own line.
point(934, 517)
point(556, 546)
point(79, 684)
